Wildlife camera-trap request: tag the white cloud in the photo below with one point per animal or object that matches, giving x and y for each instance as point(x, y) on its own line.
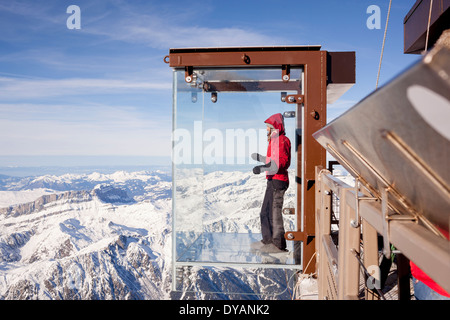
point(174, 29)
point(157, 25)
point(55, 138)
point(28, 129)
point(172, 36)
point(19, 89)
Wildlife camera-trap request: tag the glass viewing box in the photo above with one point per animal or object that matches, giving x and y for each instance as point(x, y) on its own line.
point(219, 109)
point(218, 123)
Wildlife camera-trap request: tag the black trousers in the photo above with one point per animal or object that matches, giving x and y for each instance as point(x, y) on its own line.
point(272, 227)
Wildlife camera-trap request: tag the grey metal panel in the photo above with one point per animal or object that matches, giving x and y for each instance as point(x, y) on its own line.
point(399, 137)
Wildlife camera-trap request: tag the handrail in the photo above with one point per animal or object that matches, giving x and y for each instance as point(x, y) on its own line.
point(417, 243)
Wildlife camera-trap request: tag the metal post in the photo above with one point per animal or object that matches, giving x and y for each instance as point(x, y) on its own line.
point(323, 229)
point(349, 238)
point(403, 276)
point(314, 155)
point(318, 222)
point(370, 247)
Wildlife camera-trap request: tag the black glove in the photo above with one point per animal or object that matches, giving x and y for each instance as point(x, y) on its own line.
point(258, 157)
point(271, 167)
point(257, 170)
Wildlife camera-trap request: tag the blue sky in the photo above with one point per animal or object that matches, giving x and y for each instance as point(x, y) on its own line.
point(104, 90)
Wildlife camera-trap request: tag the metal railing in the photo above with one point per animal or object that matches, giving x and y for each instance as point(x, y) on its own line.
point(362, 220)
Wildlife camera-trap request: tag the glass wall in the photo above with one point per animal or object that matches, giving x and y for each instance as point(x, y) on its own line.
point(218, 123)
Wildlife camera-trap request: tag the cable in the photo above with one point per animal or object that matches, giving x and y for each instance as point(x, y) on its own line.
point(428, 27)
point(384, 40)
point(301, 278)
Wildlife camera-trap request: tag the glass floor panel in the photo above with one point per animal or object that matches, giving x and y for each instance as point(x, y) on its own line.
point(230, 249)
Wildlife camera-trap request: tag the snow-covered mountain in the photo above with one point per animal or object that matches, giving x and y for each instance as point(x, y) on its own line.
point(97, 237)
point(108, 236)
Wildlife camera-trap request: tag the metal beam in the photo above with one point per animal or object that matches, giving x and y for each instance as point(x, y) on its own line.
point(416, 24)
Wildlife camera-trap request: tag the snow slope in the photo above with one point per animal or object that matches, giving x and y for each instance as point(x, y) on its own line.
point(9, 198)
point(108, 236)
point(109, 242)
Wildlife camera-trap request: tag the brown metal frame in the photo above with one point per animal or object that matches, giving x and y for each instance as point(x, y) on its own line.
point(314, 99)
point(416, 24)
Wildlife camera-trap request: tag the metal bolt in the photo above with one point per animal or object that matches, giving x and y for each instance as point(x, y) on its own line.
point(354, 223)
point(290, 236)
point(246, 58)
point(289, 114)
point(214, 97)
point(188, 79)
point(291, 99)
point(315, 115)
point(286, 77)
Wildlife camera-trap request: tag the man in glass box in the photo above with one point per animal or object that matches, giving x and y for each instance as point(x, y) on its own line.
point(276, 163)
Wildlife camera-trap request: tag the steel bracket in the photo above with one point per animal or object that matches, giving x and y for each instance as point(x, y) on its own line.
point(285, 72)
point(188, 73)
point(390, 217)
point(295, 98)
point(355, 223)
point(299, 236)
point(288, 211)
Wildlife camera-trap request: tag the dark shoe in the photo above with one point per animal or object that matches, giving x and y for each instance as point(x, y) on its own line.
point(271, 248)
point(257, 245)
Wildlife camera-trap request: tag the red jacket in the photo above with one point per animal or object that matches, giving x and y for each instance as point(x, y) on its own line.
point(279, 149)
